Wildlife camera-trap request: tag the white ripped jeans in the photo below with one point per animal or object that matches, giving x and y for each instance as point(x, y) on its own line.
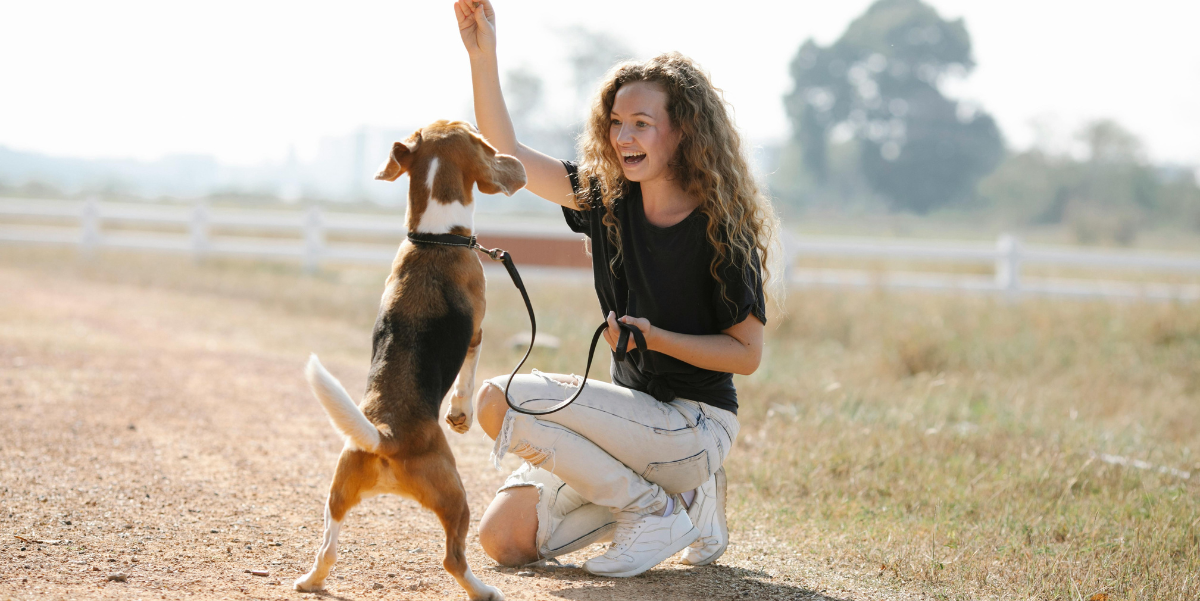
point(613, 449)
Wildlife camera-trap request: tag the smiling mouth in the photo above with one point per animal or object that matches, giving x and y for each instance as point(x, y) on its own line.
point(633, 158)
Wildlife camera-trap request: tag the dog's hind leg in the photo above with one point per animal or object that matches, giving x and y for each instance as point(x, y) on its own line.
point(314, 580)
point(356, 472)
point(461, 413)
point(435, 481)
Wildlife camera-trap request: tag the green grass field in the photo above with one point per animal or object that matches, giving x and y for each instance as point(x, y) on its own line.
point(959, 446)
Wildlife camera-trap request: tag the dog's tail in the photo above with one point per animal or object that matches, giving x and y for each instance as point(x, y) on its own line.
point(346, 417)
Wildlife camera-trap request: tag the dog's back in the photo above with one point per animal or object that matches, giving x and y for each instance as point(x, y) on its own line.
point(428, 317)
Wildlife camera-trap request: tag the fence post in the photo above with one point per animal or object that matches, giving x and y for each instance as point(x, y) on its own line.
point(314, 239)
point(90, 225)
point(1008, 265)
point(199, 230)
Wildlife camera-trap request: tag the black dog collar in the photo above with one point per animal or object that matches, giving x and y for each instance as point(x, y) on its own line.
point(443, 239)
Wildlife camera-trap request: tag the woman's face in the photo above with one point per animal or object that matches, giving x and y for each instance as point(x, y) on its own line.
point(641, 132)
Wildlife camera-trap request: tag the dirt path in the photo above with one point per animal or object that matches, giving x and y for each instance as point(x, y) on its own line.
point(172, 439)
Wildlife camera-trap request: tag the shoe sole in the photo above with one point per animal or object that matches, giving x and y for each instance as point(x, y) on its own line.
point(680, 544)
point(721, 523)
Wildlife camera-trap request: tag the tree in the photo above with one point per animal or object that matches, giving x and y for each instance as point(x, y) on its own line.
point(879, 84)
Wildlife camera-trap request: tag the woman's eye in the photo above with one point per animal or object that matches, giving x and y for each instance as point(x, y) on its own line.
point(641, 124)
point(615, 123)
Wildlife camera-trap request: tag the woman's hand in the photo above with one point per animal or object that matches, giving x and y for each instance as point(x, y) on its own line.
point(477, 26)
point(613, 334)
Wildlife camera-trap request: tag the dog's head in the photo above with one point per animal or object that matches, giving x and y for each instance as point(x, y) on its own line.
point(444, 161)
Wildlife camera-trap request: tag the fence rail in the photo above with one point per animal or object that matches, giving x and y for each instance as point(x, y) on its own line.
point(92, 224)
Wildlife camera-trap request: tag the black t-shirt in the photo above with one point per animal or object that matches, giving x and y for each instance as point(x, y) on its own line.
point(663, 276)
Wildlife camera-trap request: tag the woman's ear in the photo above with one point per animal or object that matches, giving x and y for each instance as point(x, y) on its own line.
point(399, 160)
point(505, 174)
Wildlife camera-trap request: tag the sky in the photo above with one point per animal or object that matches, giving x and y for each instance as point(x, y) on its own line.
point(248, 80)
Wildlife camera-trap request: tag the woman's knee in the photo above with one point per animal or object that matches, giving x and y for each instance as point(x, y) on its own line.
point(490, 408)
point(491, 405)
point(508, 529)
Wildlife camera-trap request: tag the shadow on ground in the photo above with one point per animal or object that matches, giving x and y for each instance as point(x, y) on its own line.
point(709, 582)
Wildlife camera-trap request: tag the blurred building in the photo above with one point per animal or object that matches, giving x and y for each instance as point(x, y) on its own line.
point(343, 169)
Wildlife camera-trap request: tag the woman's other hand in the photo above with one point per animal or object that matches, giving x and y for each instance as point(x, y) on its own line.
point(477, 26)
point(613, 334)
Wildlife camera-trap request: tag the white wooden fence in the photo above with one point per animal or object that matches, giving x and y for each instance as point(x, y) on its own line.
point(1008, 256)
point(304, 235)
point(297, 234)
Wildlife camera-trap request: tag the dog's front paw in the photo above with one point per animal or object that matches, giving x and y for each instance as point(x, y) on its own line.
point(309, 583)
point(459, 421)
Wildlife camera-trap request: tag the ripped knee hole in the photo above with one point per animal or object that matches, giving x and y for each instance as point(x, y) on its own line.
point(533, 454)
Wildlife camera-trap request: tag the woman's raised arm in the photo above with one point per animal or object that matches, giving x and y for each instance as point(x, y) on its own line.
point(546, 175)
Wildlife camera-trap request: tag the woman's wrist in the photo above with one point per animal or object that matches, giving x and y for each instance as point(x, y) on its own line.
point(483, 59)
point(653, 338)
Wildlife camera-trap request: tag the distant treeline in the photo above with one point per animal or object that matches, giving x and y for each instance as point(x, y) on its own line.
point(872, 129)
point(1105, 196)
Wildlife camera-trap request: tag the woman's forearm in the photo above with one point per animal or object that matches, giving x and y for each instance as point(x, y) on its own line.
point(717, 352)
point(491, 113)
point(737, 349)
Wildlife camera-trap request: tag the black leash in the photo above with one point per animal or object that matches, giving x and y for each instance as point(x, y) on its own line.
point(497, 254)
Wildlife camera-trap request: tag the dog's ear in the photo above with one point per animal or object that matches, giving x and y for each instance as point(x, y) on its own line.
point(399, 160)
point(504, 174)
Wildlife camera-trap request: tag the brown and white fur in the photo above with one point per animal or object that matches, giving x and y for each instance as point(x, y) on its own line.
point(427, 332)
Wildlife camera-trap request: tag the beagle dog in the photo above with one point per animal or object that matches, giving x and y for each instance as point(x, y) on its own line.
point(427, 332)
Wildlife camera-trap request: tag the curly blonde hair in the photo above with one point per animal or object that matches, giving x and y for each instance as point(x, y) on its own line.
point(708, 163)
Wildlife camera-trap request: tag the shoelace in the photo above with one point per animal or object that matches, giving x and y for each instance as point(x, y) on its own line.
point(624, 537)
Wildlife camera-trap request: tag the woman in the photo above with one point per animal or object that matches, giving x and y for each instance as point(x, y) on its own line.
point(678, 234)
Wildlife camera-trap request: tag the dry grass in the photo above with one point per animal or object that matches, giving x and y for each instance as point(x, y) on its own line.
point(954, 442)
point(938, 444)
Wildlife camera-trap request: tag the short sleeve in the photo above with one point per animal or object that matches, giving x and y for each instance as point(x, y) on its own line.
point(743, 295)
point(579, 220)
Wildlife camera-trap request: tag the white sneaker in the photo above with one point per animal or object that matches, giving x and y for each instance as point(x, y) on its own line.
point(707, 512)
point(642, 542)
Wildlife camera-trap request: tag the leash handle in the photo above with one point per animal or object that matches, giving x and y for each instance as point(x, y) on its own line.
point(639, 340)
